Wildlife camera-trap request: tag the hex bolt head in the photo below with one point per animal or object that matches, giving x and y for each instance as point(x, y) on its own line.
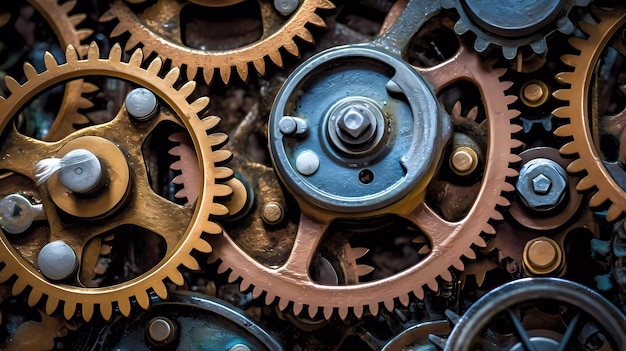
point(542, 184)
point(307, 163)
point(141, 104)
point(353, 121)
point(57, 260)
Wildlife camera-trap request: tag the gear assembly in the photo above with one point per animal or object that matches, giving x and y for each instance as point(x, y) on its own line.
point(312, 175)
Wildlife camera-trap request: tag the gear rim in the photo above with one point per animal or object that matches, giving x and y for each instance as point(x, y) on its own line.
point(119, 296)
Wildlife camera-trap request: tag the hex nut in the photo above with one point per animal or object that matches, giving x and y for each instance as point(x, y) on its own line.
point(533, 192)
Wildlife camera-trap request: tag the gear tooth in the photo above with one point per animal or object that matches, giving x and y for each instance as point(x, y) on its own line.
point(177, 166)
point(136, 59)
point(343, 312)
point(282, 304)
point(447, 276)
point(242, 70)
point(469, 254)
point(11, 84)
point(586, 183)
point(424, 250)
point(305, 35)
point(358, 252)
point(218, 138)
point(480, 45)
point(221, 156)
point(106, 310)
point(212, 228)
point(587, 28)
point(269, 298)
point(18, 287)
point(432, 284)
point(373, 309)
point(458, 265)
point(51, 305)
point(191, 72)
point(71, 54)
point(204, 247)
point(83, 103)
point(509, 99)
point(131, 43)
point(540, 46)
point(570, 60)
point(124, 305)
point(256, 292)
point(225, 74)
point(292, 48)
point(404, 300)
point(155, 66)
point(77, 18)
point(208, 74)
point(597, 199)
point(509, 188)
point(419, 293)
point(223, 172)
point(613, 213)
point(511, 173)
point(326, 4)
point(276, 58)
point(576, 166)
point(223, 269)
point(82, 34)
point(34, 297)
point(191, 263)
point(220, 210)
point(497, 216)
point(316, 20)
point(188, 88)
point(516, 128)
point(259, 65)
point(363, 270)
point(437, 341)
point(489, 229)
point(328, 312)
point(69, 308)
point(389, 304)
point(504, 202)
point(210, 122)
point(561, 112)
point(107, 16)
point(29, 71)
point(200, 104)
point(516, 144)
point(49, 61)
point(222, 190)
point(87, 311)
point(176, 277)
point(243, 286)
point(358, 311)
point(460, 27)
point(160, 290)
point(117, 31)
point(297, 308)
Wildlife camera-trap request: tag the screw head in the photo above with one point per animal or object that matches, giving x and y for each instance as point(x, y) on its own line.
point(16, 214)
point(307, 163)
point(541, 184)
point(57, 260)
point(353, 122)
point(141, 104)
point(81, 171)
point(161, 331)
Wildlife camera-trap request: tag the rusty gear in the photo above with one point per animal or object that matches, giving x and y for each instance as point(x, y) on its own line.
point(577, 112)
point(291, 285)
point(278, 34)
point(180, 227)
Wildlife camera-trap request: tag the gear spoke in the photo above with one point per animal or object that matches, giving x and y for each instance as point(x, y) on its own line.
point(310, 232)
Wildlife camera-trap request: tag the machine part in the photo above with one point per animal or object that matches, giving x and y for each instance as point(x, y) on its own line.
point(64, 26)
point(187, 321)
point(542, 184)
point(141, 104)
point(559, 216)
point(512, 24)
point(577, 113)
point(17, 214)
point(180, 227)
point(501, 318)
point(543, 256)
point(57, 260)
point(415, 338)
point(290, 284)
point(534, 93)
point(158, 29)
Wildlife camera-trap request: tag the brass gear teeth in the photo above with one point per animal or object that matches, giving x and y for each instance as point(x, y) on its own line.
point(293, 290)
point(188, 166)
point(582, 144)
point(107, 299)
point(221, 61)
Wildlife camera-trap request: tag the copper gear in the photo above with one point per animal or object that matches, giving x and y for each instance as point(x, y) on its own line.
point(577, 112)
point(274, 39)
point(64, 26)
point(291, 285)
point(156, 214)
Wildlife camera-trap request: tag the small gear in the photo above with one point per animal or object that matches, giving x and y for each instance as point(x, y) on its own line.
point(512, 24)
point(180, 227)
point(577, 112)
point(279, 33)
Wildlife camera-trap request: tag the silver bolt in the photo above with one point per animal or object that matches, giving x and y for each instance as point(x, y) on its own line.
point(307, 163)
point(353, 121)
point(541, 184)
point(81, 171)
point(57, 260)
point(239, 347)
point(160, 330)
point(287, 125)
point(141, 104)
point(17, 214)
point(286, 7)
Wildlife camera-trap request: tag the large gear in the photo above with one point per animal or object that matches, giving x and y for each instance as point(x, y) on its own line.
point(180, 227)
point(278, 34)
point(291, 285)
point(513, 24)
point(577, 112)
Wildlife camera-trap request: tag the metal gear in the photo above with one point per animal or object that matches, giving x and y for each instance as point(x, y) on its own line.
point(156, 35)
point(512, 24)
point(180, 227)
point(577, 112)
point(529, 320)
point(290, 283)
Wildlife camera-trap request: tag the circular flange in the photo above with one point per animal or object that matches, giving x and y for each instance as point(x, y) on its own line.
point(408, 130)
point(116, 187)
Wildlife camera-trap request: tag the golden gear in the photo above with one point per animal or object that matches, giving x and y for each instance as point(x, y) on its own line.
point(291, 284)
point(278, 34)
point(577, 112)
point(64, 26)
point(181, 227)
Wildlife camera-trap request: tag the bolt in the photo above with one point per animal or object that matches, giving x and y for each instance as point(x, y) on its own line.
point(464, 160)
point(239, 347)
point(286, 7)
point(353, 122)
point(81, 171)
point(292, 125)
point(57, 260)
point(161, 331)
point(141, 104)
point(273, 213)
point(535, 93)
point(17, 213)
point(307, 163)
point(541, 184)
point(538, 193)
point(542, 256)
